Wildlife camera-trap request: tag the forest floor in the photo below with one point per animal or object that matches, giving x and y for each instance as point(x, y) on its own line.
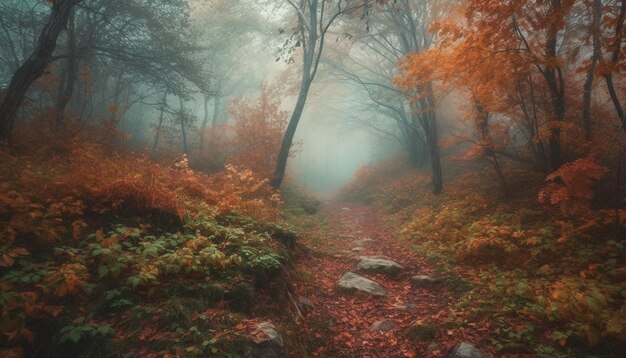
point(408, 317)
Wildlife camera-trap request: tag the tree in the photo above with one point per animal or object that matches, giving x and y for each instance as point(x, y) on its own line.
point(258, 129)
point(616, 60)
point(396, 30)
point(34, 66)
point(315, 18)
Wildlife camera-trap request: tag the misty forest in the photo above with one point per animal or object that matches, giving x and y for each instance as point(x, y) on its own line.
point(313, 178)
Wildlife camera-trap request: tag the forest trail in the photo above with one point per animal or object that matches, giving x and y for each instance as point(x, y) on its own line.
point(407, 316)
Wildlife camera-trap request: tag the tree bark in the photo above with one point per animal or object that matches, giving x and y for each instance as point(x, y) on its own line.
point(595, 57)
point(285, 148)
point(432, 138)
point(70, 75)
point(183, 130)
point(205, 122)
point(556, 85)
point(34, 66)
point(157, 133)
point(617, 50)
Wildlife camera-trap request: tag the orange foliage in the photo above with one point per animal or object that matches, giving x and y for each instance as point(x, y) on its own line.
point(258, 130)
point(571, 187)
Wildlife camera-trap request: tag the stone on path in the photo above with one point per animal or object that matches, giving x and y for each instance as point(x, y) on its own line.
point(466, 350)
point(353, 282)
point(433, 347)
point(268, 342)
point(383, 326)
point(364, 242)
point(378, 265)
point(306, 302)
point(424, 281)
point(358, 249)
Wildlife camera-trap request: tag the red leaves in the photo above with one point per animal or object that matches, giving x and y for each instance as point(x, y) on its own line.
point(348, 318)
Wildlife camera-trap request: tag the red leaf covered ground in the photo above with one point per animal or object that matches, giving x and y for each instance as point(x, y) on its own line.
point(345, 319)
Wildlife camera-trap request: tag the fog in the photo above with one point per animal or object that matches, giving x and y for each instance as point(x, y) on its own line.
point(169, 86)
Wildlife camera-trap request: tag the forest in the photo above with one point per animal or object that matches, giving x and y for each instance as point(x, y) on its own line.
point(313, 178)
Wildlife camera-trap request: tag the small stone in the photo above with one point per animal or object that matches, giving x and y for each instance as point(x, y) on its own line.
point(383, 326)
point(424, 281)
point(306, 302)
point(268, 342)
point(373, 264)
point(365, 242)
point(358, 249)
point(466, 350)
point(353, 282)
point(345, 209)
point(433, 347)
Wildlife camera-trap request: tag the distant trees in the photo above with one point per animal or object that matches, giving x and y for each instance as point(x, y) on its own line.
point(34, 66)
point(392, 31)
point(115, 54)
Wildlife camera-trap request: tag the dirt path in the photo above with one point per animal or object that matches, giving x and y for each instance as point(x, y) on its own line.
point(346, 319)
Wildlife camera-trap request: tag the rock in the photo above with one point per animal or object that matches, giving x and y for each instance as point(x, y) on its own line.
point(353, 282)
point(358, 249)
point(433, 347)
point(466, 350)
point(345, 209)
point(410, 307)
point(378, 265)
point(383, 326)
point(424, 281)
point(306, 302)
point(268, 342)
point(364, 242)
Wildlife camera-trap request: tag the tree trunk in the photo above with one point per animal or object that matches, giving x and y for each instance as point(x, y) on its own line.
point(416, 146)
point(556, 85)
point(205, 122)
point(183, 130)
point(70, 75)
point(595, 57)
point(285, 147)
point(617, 51)
point(34, 66)
point(216, 111)
point(433, 148)
point(157, 134)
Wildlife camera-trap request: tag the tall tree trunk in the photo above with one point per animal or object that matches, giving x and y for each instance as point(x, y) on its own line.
point(70, 73)
point(183, 129)
point(217, 100)
point(34, 66)
point(617, 51)
point(556, 85)
point(432, 138)
point(285, 147)
point(157, 134)
point(205, 122)
point(417, 147)
point(595, 57)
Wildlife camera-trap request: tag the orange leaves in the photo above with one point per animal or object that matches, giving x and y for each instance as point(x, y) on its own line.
point(67, 279)
point(258, 130)
point(572, 186)
point(7, 258)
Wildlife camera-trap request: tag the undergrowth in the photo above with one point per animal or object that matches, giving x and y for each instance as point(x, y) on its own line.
point(104, 254)
point(551, 284)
